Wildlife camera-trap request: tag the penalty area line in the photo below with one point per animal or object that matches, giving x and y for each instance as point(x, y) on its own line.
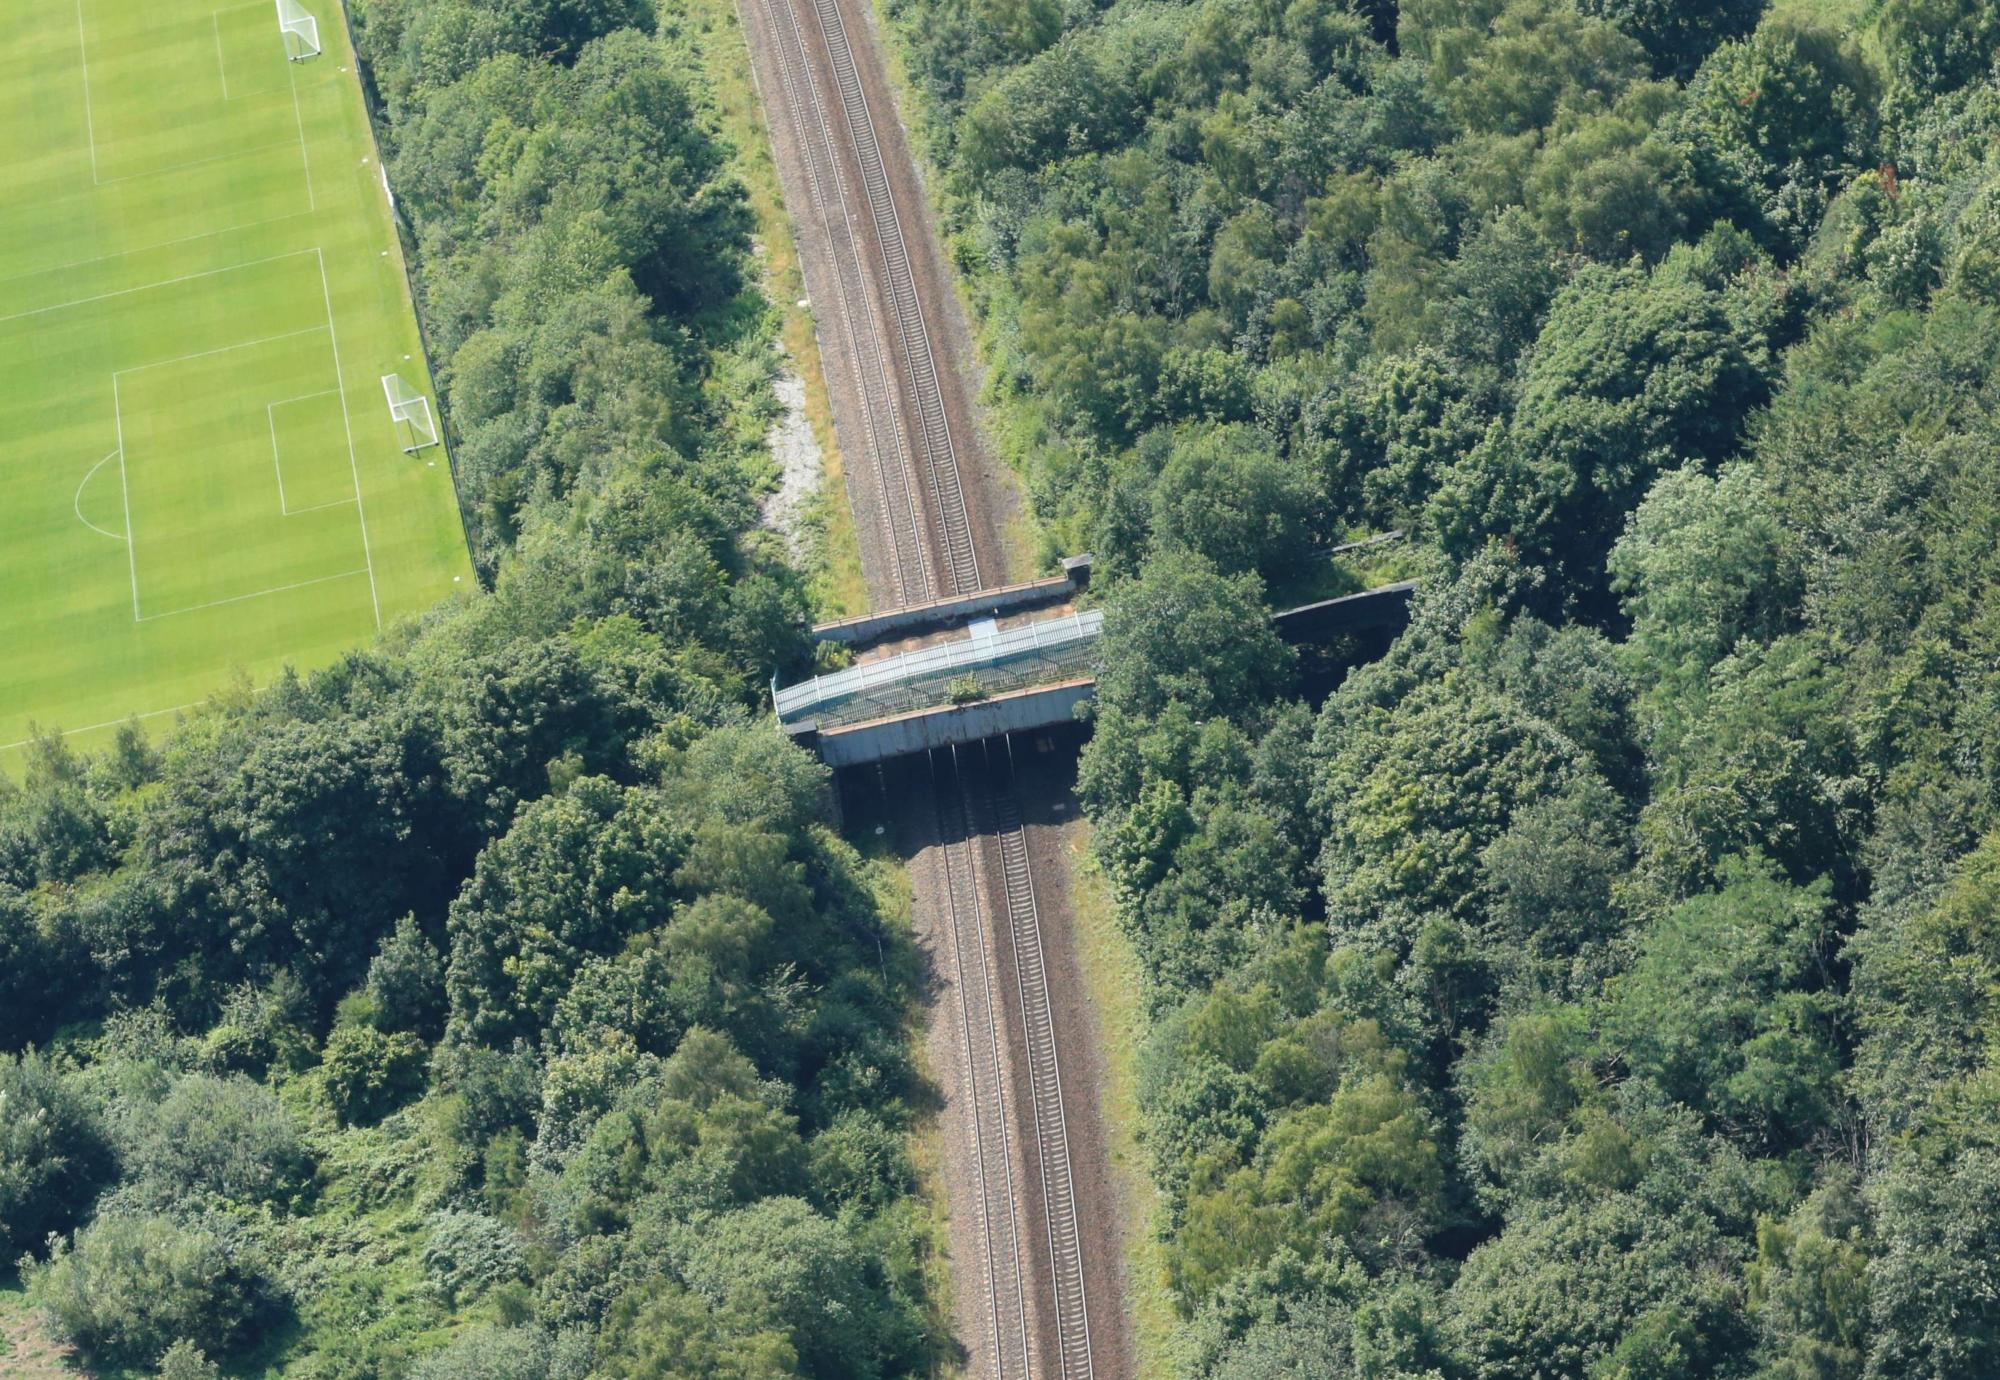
point(108, 723)
point(164, 282)
point(259, 594)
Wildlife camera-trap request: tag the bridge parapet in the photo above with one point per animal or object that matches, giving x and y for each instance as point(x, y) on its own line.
point(988, 660)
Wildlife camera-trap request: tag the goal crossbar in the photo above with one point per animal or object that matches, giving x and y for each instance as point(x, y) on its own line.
point(300, 30)
point(411, 411)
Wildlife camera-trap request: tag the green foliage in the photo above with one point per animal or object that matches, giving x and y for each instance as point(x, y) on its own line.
point(1678, 34)
point(367, 1073)
point(505, 1353)
point(225, 1136)
point(466, 1252)
point(406, 981)
point(185, 1361)
point(577, 874)
point(54, 1151)
point(1650, 872)
point(1722, 1006)
point(804, 1280)
point(125, 1288)
point(664, 1332)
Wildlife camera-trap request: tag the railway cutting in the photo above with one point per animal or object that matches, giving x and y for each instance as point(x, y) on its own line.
point(1030, 1284)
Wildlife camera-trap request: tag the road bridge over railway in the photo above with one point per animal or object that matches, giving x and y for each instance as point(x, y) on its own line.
point(1009, 661)
point(961, 660)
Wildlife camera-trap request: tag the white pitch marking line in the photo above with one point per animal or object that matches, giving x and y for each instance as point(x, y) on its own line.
point(108, 723)
point(215, 19)
point(353, 465)
point(148, 287)
point(125, 491)
point(226, 349)
point(78, 503)
point(192, 163)
point(271, 416)
point(89, 121)
point(149, 248)
point(262, 593)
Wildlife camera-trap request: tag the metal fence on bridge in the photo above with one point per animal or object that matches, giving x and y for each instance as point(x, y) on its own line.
point(987, 662)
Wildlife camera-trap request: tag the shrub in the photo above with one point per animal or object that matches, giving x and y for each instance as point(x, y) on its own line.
point(127, 1288)
point(369, 1073)
point(468, 1251)
point(186, 1361)
point(227, 1136)
point(53, 1150)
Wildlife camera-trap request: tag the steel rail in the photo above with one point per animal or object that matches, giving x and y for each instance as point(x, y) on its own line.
point(979, 1027)
point(998, 813)
point(939, 452)
point(867, 349)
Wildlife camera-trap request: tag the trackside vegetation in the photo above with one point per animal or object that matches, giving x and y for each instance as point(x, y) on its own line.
point(1602, 984)
point(497, 1002)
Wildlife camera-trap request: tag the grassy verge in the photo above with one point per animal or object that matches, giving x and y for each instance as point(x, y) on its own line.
point(716, 30)
point(1111, 972)
point(27, 1351)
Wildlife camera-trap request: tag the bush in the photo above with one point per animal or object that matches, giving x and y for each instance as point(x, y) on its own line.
point(507, 1353)
point(53, 1151)
point(186, 1361)
point(468, 1251)
point(127, 1288)
point(226, 1136)
point(369, 1073)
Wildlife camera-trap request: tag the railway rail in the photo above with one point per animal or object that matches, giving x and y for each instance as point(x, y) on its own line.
point(941, 456)
point(995, 812)
point(1033, 1318)
point(899, 517)
point(981, 1021)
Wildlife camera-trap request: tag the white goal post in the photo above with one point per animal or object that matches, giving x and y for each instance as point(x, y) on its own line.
point(411, 411)
point(300, 29)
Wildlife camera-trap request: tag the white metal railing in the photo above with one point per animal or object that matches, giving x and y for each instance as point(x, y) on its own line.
point(1043, 638)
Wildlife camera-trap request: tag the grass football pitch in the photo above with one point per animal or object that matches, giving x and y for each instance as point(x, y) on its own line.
point(200, 295)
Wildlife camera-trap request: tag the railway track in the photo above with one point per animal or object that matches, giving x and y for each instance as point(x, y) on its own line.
point(961, 560)
point(899, 517)
point(993, 811)
point(981, 1022)
point(1035, 1322)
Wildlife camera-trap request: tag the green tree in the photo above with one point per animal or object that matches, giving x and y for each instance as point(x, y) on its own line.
point(577, 874)
point(1678, 34)
point(1724, 1006)
point(126, 1288)
point(54, 1151)
point(406, 981)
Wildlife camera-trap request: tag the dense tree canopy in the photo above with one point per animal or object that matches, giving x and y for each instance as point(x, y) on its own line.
point(1598, 980)
point(1597, 984)
point(499, 1001)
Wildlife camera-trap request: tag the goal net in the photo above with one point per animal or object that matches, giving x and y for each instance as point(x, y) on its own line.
point(300, 29)
point(411, 411)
